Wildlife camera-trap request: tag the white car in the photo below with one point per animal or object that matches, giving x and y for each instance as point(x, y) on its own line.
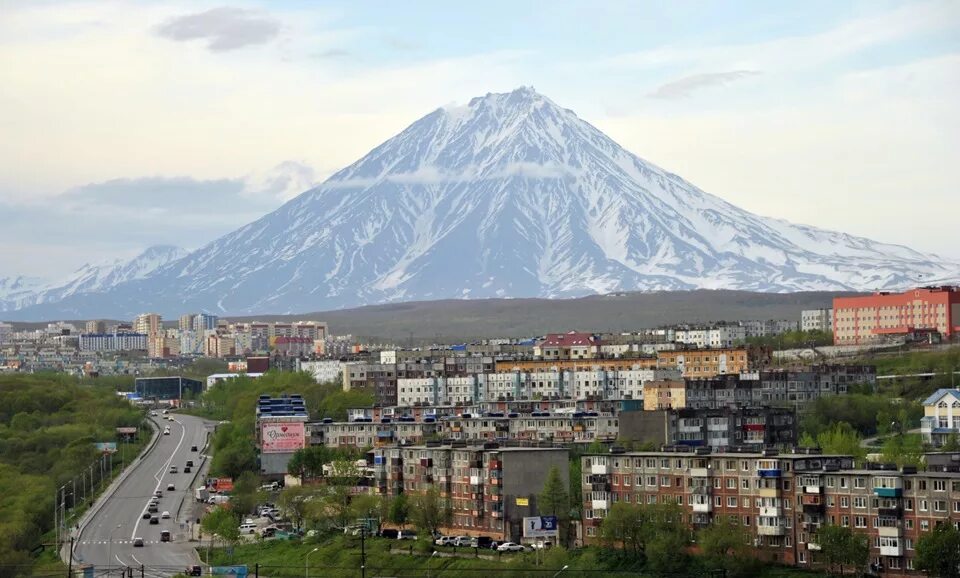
point(509, 547)
point(165, 515)
point(461, 541)
point(247, 528)
point(444, 541)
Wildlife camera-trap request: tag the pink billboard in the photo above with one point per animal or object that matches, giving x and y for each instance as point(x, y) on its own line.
point(279, 437)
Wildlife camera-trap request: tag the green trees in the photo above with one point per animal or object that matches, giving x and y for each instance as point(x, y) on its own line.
point(841, 439)
point(554, 499)
point(903, 450)
point(246, 493)
point(223, 523)
point(430, 510)
point(938, 552)
point(653, 532)
point(727, 545)
point(841, 547)
point(399, 510)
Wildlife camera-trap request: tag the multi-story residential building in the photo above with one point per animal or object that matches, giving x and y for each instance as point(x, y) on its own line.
point(711, 362)
point(219, 346)
point(377, 378)
point(185, 322)
point(720, 336)
point(363, 434)
point(323, 371)
point(490, 489)
point(293, 346)
point(941, 416)
point(95, 326)
point(816, 320)
point(869, 319)
point(754, 328)
point(113, 342)
point(570, 345)
point(664, 394)
point(148, 324)
point(162, 345)
point(616, 364)
point(756, 427)
point(202, 322)
point(6, 332)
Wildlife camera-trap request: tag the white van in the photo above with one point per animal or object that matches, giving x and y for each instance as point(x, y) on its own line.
point(247, 528)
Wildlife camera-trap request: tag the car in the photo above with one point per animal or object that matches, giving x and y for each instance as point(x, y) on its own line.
point(186, 469)
point(406, 535)
point(166, 432)
point(152, 509)
point(247, 528)
point(146, 515)
point(165, 536)
point(541, 545)
point(165, 412)
point(193, 448)
point(165, 515)
point(444, 541)
point(461, 541)
point(271, 487)
point(157, 494)
point(171, 488)
point(190, 462)
point(269, 531)
point(173, 469)
point(193, 571)
point(484, 542)
point(509, 547)
point(138, 542)
point(153, 413)
point(154, 520)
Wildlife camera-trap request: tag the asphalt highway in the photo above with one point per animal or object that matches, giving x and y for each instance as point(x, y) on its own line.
point(106, 540)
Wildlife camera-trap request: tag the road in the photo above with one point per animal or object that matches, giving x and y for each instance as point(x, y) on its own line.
point(106, 540)
point(868, 442)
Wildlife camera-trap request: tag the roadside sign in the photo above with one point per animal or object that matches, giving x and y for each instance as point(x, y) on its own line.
point(229, 570)
point(540, 527)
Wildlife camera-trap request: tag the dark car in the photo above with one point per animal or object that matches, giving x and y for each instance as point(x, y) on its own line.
point(193, 449)
point(171, 488)
point(186, 469)
point(151, 509)
point(138, 542)
point(389, 533)
point(146, 515)
point(165, 536)
point(154, 520)
point(189, 463)
point(194, 571)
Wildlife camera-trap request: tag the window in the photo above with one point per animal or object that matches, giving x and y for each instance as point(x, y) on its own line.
point(731, 502)
point(939, 485)
point(844, 502)
point(924, 525)
point(860, 521)
point(924, 506)
point(939, 506)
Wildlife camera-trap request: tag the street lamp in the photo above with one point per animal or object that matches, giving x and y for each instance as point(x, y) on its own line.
point(306, 568)
point(110, 547)
point(428, 562)
point(560, 570)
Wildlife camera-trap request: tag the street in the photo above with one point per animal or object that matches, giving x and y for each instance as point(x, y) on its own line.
point(106, 540)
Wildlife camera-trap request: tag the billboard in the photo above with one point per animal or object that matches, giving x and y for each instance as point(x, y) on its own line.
point(228, 570)
point(106, 447)
point(540, 527)
point(282, 437)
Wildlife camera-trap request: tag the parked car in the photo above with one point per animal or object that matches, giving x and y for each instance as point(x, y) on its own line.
point(193, 571)
point(247, 528)
point(461, 541)
point(481, 542)
point(165, 536)
point(138, 542)
point(157, 494)
point(165, 412)
point(271, 487)
point(509, 547)
point(541, 545)
point(389, 533)
point(406, 535)
point(444, 541)
point(153, 413)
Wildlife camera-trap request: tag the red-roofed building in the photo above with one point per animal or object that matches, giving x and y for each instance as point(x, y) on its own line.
point(570, 345)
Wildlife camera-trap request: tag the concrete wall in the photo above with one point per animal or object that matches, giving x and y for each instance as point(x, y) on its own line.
point(271, 464)
point(525, 471)
point(645, 426)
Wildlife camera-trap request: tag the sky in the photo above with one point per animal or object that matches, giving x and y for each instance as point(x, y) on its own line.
point(125, 124)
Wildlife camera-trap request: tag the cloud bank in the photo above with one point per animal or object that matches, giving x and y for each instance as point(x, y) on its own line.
point(223, 28)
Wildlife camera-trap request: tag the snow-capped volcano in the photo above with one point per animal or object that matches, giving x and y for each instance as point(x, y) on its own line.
point(513, 196)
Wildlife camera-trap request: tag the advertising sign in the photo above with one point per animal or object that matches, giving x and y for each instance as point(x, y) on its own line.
point(540, 527)
point(229, 570)
point(106, 447)
point(523, 501)
point(281, 437)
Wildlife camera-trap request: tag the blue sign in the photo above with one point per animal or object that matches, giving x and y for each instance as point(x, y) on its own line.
point(229, 570)
point(548, 522)
point(540, 527)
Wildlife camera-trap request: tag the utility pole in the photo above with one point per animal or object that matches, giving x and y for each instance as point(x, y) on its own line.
point(363, 553)
point(70, 563)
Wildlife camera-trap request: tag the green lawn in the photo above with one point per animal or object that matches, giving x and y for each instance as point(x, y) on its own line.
point(339, 556)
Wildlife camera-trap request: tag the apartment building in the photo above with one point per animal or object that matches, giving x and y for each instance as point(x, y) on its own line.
point(721, 336)
point(362, 434)
point(377, 378)
point(816, 320)
point(538, 426)
point(572, 345)
point(750, 427)
point(162, 345)
point(711, 362)
point(941, 416)
point(490, 489)
point(219, 346)
point(873, 318)
point(148, 324)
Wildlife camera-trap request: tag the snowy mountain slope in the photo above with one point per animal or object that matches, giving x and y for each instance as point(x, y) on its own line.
point(17, 293)
point(510, 195)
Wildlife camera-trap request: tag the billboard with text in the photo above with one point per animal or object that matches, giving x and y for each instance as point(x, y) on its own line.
point(282, 437)
point(540, 527)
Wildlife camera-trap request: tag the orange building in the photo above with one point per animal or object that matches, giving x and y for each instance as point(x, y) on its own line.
point(618, 364)
point(712, 362)
point(859, 320)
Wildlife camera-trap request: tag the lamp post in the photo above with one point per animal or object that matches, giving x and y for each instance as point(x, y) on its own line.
point(559, 571)
point(110, 547)
point(306, 568)
point(428, 562)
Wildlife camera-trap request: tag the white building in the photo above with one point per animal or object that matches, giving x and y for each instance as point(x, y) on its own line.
point(628, 384)
point(941, 416)
point(323, 371)
point(420, 391)
point(191, 343)
point(6, 332)
point(712, 337)
point(817, 320)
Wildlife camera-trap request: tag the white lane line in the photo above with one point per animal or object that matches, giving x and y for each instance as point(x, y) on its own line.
point(159, 475)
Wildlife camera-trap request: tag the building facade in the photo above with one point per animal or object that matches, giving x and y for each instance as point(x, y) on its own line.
point(816, 320)
point(873, 318)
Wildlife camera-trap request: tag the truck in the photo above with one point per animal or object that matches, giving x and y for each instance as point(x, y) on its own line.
point(201, 494)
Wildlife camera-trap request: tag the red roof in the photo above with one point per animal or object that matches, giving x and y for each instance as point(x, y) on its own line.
point(572, 339)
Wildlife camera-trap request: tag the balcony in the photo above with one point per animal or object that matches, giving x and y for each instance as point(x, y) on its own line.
point(771, 511)
point(888, 492)
point(770, 473)
point(475, 480)
point(811, 500)
point(600, 487)
point(890, 531)
point(599, 504)
point(699, 472)
point(704, 508)
point(812, 489)
point(813, 546)
point(771, 531)
point(891, 550)
point(600, 469)
point(768, 492)
point(890, 512)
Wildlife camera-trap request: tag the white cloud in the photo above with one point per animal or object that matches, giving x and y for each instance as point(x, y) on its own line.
point(684, 87)
point(431, 175)
point(224, 28)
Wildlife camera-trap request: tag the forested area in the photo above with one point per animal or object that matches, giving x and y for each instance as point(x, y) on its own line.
point(48, 427)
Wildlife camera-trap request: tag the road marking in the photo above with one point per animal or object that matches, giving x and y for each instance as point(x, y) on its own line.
point(160, 473)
